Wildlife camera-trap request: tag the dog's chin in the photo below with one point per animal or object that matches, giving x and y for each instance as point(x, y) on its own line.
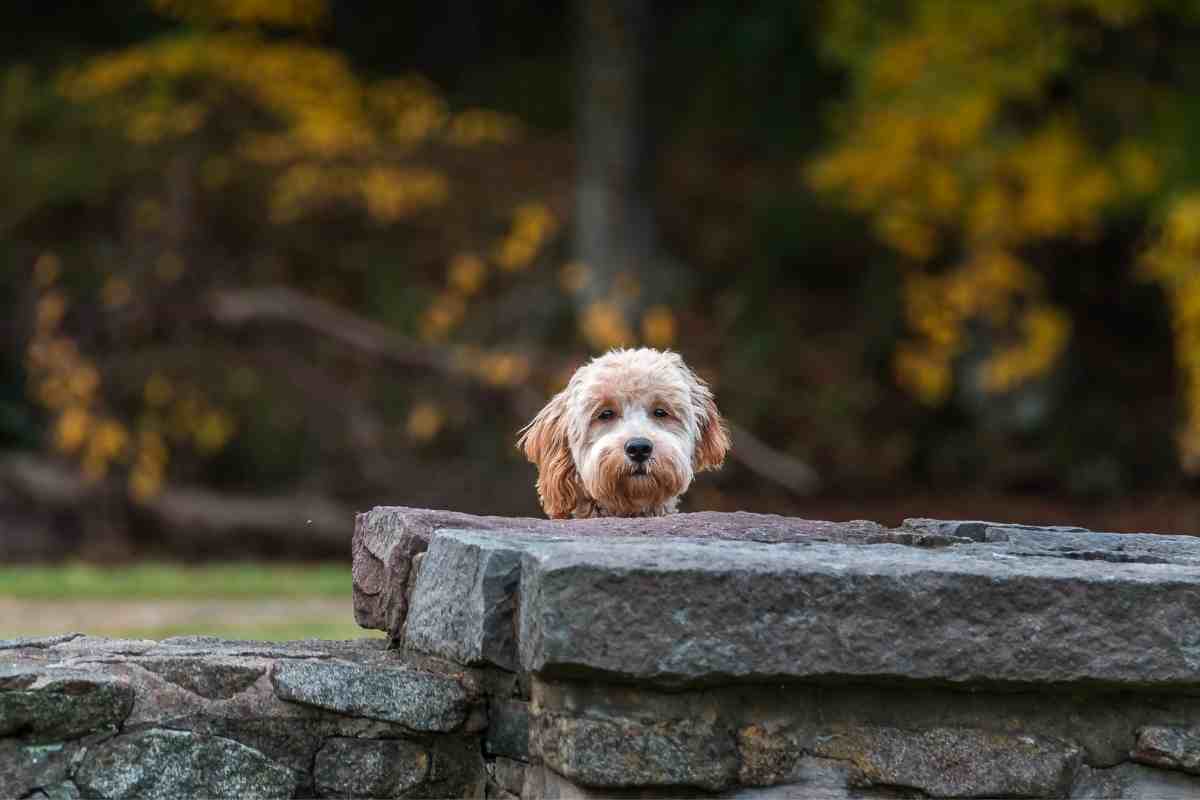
point(625, 488)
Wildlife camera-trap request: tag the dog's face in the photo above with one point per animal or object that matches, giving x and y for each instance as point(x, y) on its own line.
point(626, 436)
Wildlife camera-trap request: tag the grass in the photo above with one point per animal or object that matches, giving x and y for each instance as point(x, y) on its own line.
point(155, 581)
point(282, 632)
point(243, 600)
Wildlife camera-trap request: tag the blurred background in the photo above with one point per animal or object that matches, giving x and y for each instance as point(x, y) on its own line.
point(264, 263)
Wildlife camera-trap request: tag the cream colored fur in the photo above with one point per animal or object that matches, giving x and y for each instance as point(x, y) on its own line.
point(579, 450)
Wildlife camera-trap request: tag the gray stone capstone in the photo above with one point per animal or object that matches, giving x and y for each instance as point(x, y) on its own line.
point(714, 612)
point(464, 599)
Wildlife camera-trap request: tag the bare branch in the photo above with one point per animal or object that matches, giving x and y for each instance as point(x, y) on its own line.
point(193, 518)
point(281, 304)
point(766, 462)
point(285, 305)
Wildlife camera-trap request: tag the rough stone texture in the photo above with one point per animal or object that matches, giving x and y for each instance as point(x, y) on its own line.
point(172, 764)
point(52, 705)
point(688, 612)
point(196, 716)
point(625, 752)
point(543, 783)
point(1134, 782)
point(1069, 542)
point(1175, 748)
point(755, 657)
point(771, 757)
point(463, 601)
point(822, 778)
point(25, 767)
point(508, 729)
point(509, 774)
point(59, 791)
point(417, 700)
point(956, 762)
point(212, 679)
point(387, 539)
point(36, 642)
point(370, 767)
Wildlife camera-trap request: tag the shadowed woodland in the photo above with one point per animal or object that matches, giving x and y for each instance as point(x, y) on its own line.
point(264, 263)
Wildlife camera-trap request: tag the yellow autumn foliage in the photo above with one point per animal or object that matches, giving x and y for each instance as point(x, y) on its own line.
point(948, 145)
point(65, 381)
point(335, 135)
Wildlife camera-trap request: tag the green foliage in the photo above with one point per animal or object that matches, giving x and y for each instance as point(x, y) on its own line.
point(162, 581)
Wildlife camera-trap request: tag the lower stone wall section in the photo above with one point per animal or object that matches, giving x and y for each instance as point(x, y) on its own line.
point(83, 717)
point(596, 740)
point(206, 718)
point(724, 656)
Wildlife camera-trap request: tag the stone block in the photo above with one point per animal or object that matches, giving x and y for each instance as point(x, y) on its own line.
point(956, 762)
point(387, 541)
point(683, 612)
point(376, 768)
point(420, 701)
point(25, 767)
point(620, 752)
point(1171, 747)
point(507, 732)
point(49, 705)
point(1134, 782)
point(817, 778)
point(167, 765)
point(214, 678)
point(464, 600)
point(1062, 541)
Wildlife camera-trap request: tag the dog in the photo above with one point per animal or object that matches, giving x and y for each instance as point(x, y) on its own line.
point(625, 438)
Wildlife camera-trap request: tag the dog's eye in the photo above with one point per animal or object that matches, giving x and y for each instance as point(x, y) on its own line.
point(606, 414)
point(661, 412)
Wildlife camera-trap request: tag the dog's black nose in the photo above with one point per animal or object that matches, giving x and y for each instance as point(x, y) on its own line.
point(639, 449)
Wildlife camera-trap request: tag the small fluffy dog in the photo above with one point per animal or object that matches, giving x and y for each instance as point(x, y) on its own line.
point(625, 438)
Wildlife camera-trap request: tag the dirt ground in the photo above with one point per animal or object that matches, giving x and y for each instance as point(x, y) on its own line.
point(268, 618)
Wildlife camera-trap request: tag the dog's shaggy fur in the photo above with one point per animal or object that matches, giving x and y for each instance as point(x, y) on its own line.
point(625, 438)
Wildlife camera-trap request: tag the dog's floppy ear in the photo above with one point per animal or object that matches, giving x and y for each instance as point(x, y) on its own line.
point(544, 441)
point(714, 436)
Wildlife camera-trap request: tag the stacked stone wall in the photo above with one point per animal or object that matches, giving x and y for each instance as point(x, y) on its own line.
point(737, 656)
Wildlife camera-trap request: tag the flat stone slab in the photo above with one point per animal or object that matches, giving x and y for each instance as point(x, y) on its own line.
point(956, 762)
point(170, 764)
point(387, 541)
point(686, 612)
point(1068, 542)
point(48, 705)
point(421, 701)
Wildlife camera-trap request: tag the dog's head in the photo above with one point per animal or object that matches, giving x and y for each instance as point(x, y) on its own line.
point(625, 437)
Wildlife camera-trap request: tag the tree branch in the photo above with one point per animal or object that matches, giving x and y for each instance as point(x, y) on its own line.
point(285, 305)
point(766, 462)
point(193, 518)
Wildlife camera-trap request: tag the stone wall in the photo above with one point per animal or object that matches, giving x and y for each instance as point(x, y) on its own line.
point(727, 655)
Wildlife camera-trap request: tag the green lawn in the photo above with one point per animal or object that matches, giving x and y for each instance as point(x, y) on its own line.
point(156, 600)
point(152, 581)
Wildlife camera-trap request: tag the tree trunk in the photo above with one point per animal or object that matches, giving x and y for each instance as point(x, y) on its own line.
point(615, 234)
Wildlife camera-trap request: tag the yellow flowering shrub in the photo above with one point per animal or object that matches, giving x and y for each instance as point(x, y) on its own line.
point(952, 145)
point(85, 424)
